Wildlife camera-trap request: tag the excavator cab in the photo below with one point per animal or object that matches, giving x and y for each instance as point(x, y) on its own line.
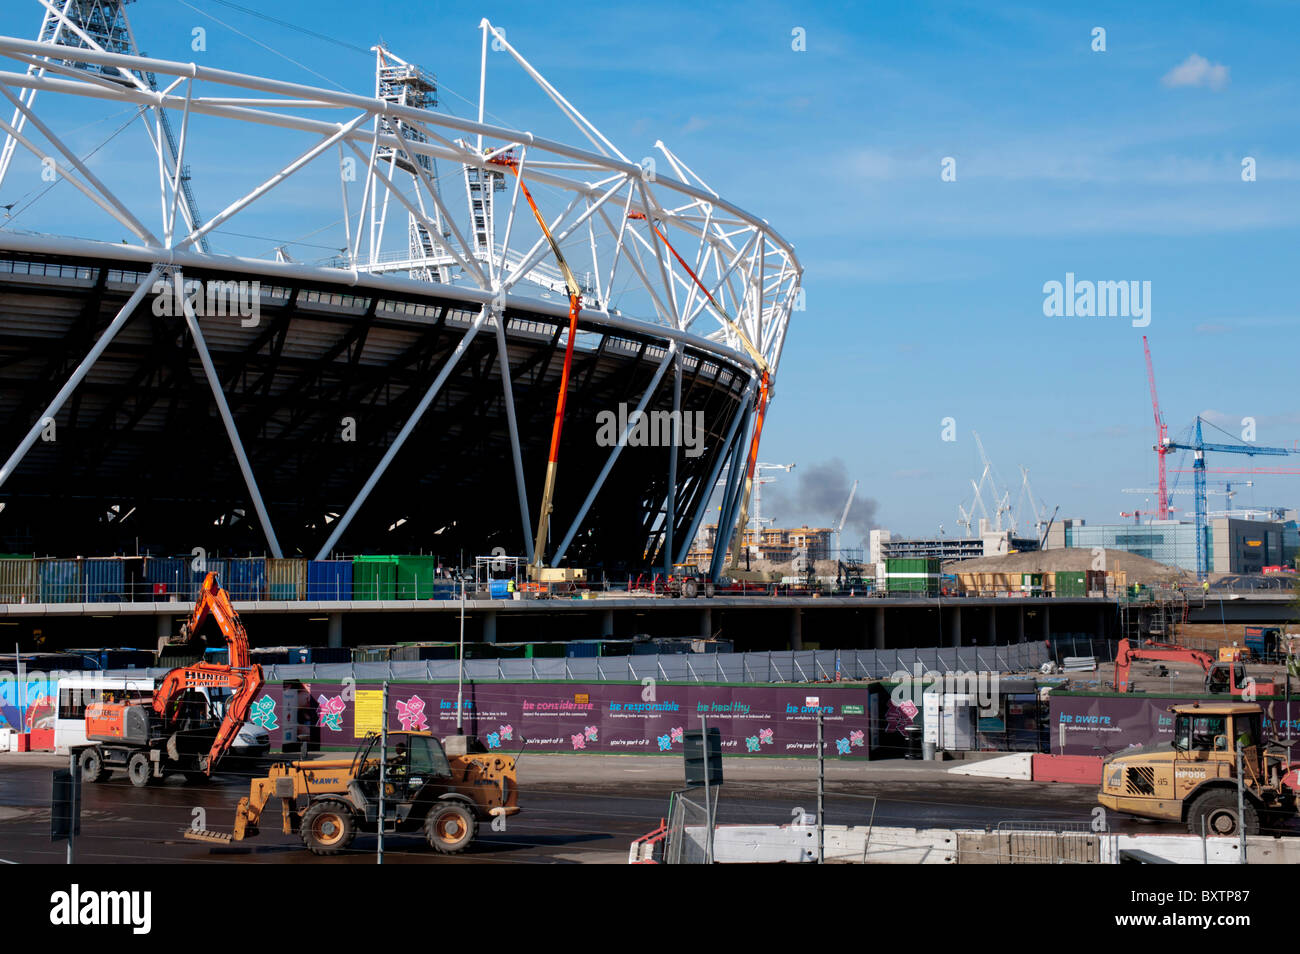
point(1223, 678)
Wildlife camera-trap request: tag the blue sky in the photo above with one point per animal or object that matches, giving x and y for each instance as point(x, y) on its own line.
point(924, 297)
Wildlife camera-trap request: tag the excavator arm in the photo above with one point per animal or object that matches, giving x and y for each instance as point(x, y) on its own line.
point(1154, 652)
point(240, 674)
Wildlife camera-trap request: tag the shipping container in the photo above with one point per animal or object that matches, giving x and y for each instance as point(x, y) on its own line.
point(329, 654)
point(374, 578)
point(243, 579)
point(169, 578)
point(286, 578)
point(912, 575)
point(19, 580)
point(60, 581)
point(416, 576)
point(373, 653)
point(1071, 583)
point(116, 658)
point(329, 580)
point(110, 579)
point(274, 657)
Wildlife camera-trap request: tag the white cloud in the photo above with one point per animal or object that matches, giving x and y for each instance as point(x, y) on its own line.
point(1197, 71)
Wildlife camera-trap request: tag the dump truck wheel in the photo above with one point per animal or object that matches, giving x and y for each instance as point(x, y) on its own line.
point(92, 766)
point(450, 828)
point(139, 769)
point(1219, 810)
point(328, 828)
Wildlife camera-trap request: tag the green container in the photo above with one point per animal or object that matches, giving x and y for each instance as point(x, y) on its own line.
point(415, 576)
point(1071, 583)
point(912, 575)
point(374, 577)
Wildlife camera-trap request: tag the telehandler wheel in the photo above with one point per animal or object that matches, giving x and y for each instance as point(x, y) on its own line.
point(1219, 810)
point(92, 766)
point(328, 828)
point(139, 769)
point(450, 828)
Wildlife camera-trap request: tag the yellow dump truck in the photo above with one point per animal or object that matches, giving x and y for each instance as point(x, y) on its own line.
point(443, 792)
point(1193, 779)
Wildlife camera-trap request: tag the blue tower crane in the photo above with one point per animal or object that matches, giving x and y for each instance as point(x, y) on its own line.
point(1199, 447)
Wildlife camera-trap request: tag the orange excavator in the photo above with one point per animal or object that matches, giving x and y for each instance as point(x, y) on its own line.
point(1220, 677)
point(175, 731)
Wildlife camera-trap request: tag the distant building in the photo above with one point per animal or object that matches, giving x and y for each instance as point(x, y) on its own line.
point(884, 546)
point(1235, 545)
point(774, 544)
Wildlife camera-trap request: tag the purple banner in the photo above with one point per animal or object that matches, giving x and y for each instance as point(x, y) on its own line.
point(1103, 725)
point(572, 717)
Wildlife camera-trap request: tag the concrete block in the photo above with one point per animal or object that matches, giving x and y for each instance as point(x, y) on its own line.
point(1019, 766)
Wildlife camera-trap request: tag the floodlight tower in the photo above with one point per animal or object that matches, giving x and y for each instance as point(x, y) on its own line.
point(404, 84)
point(102, 25)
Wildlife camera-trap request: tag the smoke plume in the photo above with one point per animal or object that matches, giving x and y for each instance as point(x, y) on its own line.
point(815, 495)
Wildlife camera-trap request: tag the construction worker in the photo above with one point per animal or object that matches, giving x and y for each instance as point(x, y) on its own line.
point(1205, 587)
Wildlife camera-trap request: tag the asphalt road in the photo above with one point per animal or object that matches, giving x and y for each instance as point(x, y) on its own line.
point(575, 809)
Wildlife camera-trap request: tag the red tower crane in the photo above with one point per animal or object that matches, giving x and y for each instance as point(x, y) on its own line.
point(1162, 447)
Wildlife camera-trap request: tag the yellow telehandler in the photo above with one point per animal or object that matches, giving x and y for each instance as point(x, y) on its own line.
point(327, 801)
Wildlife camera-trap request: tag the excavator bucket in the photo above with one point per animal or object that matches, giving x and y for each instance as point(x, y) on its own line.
point(211, 837)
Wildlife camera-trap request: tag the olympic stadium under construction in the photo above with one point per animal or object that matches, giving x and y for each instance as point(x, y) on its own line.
point(438, 387)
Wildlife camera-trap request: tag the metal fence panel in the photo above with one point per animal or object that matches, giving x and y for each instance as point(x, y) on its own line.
point(680, 848)
point(766, 667)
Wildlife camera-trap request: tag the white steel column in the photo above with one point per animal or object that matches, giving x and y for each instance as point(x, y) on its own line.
point(723, 452)
point(403, 434)
point(507, 389)
point(670, 504)
point(613, 454)
point(223, 408)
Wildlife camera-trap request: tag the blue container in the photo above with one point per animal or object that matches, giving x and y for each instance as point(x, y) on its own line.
point(60, 581)
point(329, 654)
point(106, 580)
point(329, 580)
point(444, 590)
point(127, 659)
point(499, 589)
point(167, 577)
point(244, 579)
point(583, 649)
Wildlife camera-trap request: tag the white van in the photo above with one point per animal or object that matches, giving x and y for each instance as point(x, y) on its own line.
point(76, 692)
